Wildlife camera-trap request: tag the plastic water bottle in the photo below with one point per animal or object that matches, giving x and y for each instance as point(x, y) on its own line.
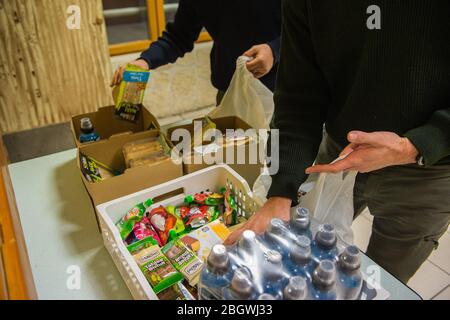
point(324, 244)
point(300, 262)
point(276, 236)
point(300, 222)
point(266, 296)
point(273, 275)
point(88, 133)
point(297, 289)
point(247, 246)
point(216, 275)
point(241, 286)
point(324, 281)
point(349, 273)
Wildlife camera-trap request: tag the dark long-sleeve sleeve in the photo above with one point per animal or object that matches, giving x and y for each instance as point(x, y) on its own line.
point(178, 38)
point(275, 45)
point(301, 102)
point(432, 139)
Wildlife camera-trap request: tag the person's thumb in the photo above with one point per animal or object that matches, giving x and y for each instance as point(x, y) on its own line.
point(252, 52)
point(360, 137)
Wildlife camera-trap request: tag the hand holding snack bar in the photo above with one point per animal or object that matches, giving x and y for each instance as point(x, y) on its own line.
point(118, 74)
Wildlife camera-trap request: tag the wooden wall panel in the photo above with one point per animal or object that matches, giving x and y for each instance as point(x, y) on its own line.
point(49, 72)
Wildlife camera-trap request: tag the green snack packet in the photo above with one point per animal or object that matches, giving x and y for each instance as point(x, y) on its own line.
point(130, 93)
point(95, 171)
point(156, 268)
point(184, 260)
point(179, 226)
point(135, 214)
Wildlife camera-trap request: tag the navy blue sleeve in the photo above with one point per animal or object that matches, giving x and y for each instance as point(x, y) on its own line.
point(275, 45)
point(178, 38)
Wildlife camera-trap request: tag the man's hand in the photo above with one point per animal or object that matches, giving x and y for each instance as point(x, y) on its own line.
point(262, 62)
point(275, 207)
point(118, 75)
point(371, 151)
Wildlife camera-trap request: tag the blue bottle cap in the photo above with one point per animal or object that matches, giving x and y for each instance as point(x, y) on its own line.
point(325, 273)
point(276, 227)
point(326, 235)
point(300, 250)
point(241, 284)
point(297, 289)
point(218, 259)
point(350, 259)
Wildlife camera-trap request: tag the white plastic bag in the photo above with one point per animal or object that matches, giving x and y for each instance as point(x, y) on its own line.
point(246, 98)
point(331, 201)
point(329, 197)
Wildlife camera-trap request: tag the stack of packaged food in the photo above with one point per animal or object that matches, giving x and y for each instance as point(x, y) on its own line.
point(171, 243)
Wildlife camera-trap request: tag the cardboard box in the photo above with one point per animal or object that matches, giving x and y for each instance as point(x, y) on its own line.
point(249, 170)
point(107, 124)
point(109, 152)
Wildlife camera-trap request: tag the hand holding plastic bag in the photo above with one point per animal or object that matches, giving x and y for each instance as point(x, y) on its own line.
point(246, 98)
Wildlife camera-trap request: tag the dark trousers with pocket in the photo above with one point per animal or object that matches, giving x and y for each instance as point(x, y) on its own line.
point(411, 209)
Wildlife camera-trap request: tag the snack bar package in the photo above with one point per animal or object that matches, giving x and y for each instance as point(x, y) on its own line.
point(129, 95)
point(184, 260)
point(176, 292)
point(95, 171)
point(163, 222)
point(202, 240)
point(134, 215)
point(157, 269)
point(146, 151)
point(179, 225)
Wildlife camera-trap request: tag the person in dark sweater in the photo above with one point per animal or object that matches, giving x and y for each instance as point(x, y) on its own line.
point(384, 97)
point(248, 27)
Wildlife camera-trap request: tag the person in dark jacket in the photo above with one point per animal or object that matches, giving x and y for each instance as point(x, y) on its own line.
point(238, 27)
point(383, 92)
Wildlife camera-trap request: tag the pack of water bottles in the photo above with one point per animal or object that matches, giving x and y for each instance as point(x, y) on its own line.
point(290, 261)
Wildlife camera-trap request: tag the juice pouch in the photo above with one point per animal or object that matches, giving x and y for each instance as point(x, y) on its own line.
point(230, 212)
point(206, 198)
point(179, 225)
point(134, 215)
point(184, 260)
point(193, 217)
point(156, 268)
point(141, 230)
point(129, 95)
point(163, 222)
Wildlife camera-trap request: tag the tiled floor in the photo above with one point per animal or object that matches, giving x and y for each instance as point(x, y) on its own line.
point(432, 280)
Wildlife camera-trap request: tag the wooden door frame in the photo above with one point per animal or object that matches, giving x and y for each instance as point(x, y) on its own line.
point(156, 24)
point(16, 282)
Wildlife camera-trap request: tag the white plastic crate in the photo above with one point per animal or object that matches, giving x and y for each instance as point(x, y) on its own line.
point(173, 192)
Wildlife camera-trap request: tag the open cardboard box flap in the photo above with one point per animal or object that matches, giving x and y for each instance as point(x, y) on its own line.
point(250, 171)
point(107, 124)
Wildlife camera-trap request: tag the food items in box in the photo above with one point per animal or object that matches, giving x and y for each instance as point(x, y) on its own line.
point(163, 222)
point(176, 292)
point(141, 230)
point(134, 215)
point(146, 151)
point(95, 171)
point(205, 198)
point(129, 95)
point(157, 269)
point(230, 212)
point(184, 260)
point(202, 240)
